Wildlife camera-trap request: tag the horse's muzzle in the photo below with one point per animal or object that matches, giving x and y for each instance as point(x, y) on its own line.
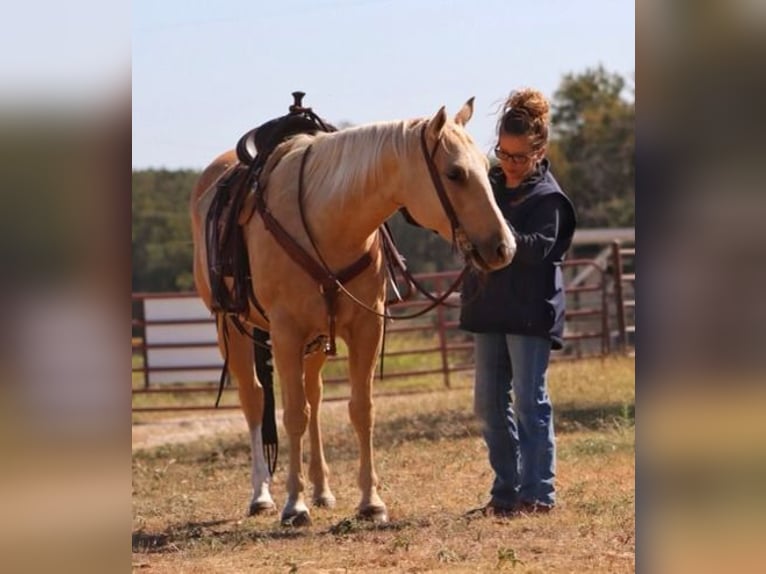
point(493, 254)
point(505, 253)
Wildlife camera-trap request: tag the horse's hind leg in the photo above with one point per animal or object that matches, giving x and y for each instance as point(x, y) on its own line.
point(318, 470)
point(363, 354)
point(241, 366)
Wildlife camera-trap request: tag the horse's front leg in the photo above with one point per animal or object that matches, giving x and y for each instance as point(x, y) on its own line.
point(240, 350)
point(318, 470)
point(287, 348)
point(364, 346)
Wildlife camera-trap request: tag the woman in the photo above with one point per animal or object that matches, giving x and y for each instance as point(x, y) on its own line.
point(517, 313)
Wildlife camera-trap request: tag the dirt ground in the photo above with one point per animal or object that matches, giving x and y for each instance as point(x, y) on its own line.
point(193, 425)
point(186, 428)
point(191, 487)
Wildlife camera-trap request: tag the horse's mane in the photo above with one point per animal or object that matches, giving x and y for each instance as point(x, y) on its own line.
point(358, 158)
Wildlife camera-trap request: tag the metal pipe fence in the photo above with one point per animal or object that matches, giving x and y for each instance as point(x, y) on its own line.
point(430, 346)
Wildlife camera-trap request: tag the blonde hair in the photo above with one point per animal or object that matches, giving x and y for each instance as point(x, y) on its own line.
point(526, 112)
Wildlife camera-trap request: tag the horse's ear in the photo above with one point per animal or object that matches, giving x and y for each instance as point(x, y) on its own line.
point(465, 113)
point(436, 123)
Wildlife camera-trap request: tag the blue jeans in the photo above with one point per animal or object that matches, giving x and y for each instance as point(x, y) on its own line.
point(511, 401)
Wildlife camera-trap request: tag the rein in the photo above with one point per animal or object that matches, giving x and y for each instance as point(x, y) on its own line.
point(435, 301)
point(458, 235)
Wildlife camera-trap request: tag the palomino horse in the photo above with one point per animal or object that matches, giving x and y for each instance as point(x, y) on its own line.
point(350, 183)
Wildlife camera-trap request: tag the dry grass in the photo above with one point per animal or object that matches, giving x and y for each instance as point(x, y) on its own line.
point(189, 499)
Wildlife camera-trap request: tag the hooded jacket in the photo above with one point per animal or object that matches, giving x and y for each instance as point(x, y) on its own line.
point(526, 297)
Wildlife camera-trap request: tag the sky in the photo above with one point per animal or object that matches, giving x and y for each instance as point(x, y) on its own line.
point(205, 72)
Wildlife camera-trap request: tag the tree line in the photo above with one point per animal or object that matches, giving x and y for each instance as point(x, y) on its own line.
point(591, 151)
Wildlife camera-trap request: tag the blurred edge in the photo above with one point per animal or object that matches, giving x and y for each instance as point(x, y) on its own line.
point(64, 286)
point(701, 360)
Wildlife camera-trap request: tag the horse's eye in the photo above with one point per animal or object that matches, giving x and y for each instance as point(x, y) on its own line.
point(457, 173)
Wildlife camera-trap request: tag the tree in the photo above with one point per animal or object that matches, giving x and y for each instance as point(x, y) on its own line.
point(592, 146)
point(161, 234)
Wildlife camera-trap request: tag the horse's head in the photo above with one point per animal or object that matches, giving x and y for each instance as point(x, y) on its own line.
point(454, 198)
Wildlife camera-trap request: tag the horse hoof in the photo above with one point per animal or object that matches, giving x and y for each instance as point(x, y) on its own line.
point(324, 501)
point(299, 519)
point(376, 514)
point(261, 507)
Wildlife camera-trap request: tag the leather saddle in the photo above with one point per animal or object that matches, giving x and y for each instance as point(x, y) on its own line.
point(224, 239)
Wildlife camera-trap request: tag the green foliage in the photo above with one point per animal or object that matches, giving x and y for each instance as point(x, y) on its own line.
point(592, 147)
point(161, 230)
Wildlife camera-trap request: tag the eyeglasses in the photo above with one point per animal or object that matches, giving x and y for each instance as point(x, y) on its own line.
point(515, 158)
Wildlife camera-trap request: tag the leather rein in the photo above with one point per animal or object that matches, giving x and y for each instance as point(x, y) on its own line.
point(331, 283)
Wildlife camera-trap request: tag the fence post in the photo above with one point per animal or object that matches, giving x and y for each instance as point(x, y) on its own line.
point(578, 342)
point(619, 301)
point(606, 344)
point(144, 352)
point(441, 327)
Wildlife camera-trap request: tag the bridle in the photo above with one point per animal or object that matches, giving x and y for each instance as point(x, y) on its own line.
point(460, 238)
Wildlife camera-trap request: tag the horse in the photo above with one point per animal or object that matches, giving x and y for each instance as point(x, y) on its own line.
point(331, 192)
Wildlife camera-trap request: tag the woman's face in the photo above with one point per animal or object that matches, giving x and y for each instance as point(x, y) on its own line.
point(517, 156)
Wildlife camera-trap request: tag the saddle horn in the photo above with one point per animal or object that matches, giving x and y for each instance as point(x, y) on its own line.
point(297, 105)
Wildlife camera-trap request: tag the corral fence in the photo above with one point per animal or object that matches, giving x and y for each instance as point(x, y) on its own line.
point(623, 259)
point(175, 352)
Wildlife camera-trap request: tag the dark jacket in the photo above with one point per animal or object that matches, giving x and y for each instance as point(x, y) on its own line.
point(527, 297)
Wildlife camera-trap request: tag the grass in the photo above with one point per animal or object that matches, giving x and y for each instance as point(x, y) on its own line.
point(189, 499)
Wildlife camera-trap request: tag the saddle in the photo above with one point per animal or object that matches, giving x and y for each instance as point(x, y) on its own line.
point(224, 239)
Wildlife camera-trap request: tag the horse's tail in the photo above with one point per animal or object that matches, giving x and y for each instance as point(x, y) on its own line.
point(264, 370)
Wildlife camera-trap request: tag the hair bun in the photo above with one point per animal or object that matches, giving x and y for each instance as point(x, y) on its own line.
point(526, 112)
point(530, 101)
